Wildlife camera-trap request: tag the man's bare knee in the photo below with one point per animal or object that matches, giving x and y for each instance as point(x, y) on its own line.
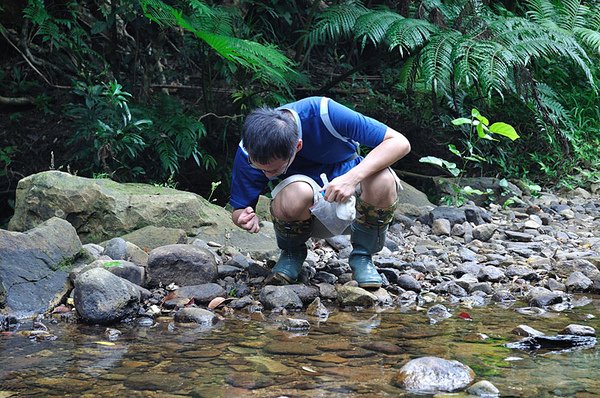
point(293, 202)
point(380, 190)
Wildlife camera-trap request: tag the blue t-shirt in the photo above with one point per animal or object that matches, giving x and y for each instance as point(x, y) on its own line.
point(330, 133)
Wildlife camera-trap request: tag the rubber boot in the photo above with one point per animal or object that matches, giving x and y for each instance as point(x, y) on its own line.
point(291, 239)
point(368, 238)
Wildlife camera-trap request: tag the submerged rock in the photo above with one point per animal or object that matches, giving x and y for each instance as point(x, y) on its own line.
point(561, 343)
point(432, 374)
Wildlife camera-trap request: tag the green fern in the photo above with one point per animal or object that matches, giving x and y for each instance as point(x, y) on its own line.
point(335, 22)
point(373, 26)
point(409, 35)
point(267, 63)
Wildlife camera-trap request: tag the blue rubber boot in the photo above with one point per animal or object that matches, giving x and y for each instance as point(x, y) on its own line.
point(291, 239)
point(368, 238)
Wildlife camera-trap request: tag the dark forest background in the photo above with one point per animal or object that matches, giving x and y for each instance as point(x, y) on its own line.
point(155, 91)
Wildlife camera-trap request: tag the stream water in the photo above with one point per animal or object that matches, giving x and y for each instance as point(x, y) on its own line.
point(352, 354)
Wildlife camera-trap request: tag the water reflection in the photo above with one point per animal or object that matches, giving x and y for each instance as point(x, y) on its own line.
point(352, 354)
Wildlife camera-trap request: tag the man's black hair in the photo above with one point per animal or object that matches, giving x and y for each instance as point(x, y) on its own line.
point(270, 134)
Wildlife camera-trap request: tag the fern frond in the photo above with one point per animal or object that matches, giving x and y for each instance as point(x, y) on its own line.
point(572, 14)
point(436, 60)
point(542, 12)
point(374, 25)
point(335, 22)
point(266, 61)
point(549, 100)
point(590, 37)
point(409, 34)
point(159, 12)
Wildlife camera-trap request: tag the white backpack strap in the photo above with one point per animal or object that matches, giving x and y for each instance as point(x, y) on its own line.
point(241, 145)
point(324, 110)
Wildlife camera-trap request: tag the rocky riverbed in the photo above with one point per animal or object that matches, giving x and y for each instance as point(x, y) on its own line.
point(440, 261)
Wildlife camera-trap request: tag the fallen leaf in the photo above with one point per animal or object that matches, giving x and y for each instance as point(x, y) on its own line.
point(465, 316)
point(61, 309)
point(217, 301)
point(108, 343)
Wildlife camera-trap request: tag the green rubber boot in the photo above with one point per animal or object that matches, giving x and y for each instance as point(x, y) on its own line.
point(291, 239)
point(368, 238)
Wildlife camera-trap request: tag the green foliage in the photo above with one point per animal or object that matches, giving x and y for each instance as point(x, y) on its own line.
point(109, 134)
point(478, 128)
point(213, 187)
point(480, 125)
point(106, 131)
point(266, 62)
point(176, 136)
point(6, 155)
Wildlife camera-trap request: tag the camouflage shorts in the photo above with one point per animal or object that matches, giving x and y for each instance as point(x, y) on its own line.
point(365, 212)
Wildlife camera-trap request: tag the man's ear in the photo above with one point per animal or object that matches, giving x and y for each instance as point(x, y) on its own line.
point(299, 145)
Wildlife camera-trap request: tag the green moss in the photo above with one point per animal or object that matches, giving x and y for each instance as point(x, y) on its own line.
point(65, 265)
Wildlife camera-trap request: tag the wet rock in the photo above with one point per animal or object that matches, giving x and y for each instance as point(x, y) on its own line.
point(182, 265)
point(489, 273)
point(195, 315)
point(565, 268)
point(521, 271)
point(295, 324)
point(503, 296)
point(542, 297)
point(560, 343)
point(578, 282)
point(432, 374)
point(228, 270)
point(483, 389)
point(484, 232)
point(103, 298)
point(127, 270)
point(555, 285)
point(528, 331)
point(317, 309)
point(256, 270)
point(116, 249)
point(201, 294)
point(441, 226)
point(450, 287)
point(327, 291)
point(349, 296)
point(579, 330)
point(471, 268)
point(238, 261)
point(306, 293)
point(437, 313)
point(241, 302)
point(325, 277)
point(291, 347)
point(277, 297)
point(93, 250)
point(249, 380)
point(408, 282)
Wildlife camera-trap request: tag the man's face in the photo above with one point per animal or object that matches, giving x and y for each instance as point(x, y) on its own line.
point(273, 168)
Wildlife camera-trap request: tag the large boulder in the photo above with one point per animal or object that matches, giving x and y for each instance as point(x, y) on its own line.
point(35, 265)
point(102, 209)
point(184, 265)
point(101, 297)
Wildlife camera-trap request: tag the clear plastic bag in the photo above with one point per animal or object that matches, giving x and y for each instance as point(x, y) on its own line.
point(336, 217)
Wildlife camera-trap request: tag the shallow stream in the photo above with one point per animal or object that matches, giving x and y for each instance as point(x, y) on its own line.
point(352, 354)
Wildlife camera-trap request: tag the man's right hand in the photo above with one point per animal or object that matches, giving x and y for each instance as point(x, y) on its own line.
point(246, 219)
